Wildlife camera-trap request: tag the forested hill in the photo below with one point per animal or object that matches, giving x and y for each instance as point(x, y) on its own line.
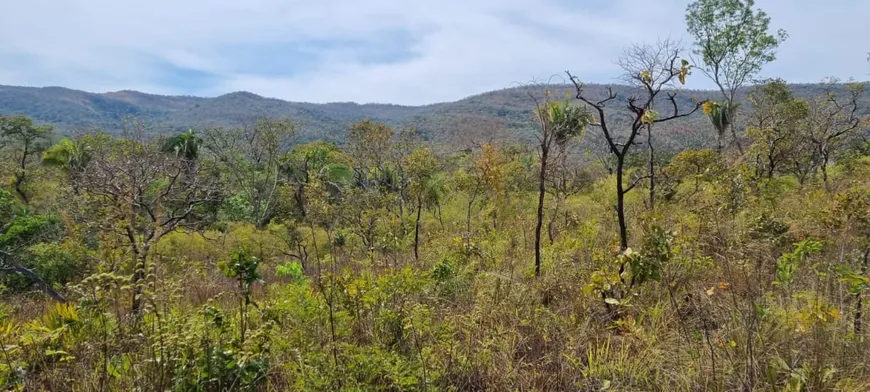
point(484, 115)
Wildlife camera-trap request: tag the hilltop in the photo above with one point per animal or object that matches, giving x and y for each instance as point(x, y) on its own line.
point(485, 115)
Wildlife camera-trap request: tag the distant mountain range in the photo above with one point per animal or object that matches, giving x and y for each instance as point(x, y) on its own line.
point(503, 113)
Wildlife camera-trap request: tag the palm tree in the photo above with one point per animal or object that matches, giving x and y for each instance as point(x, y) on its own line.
point(185, 144)
point(720, 116)
point(559, 122)
point(68, 154)
point(71, 156)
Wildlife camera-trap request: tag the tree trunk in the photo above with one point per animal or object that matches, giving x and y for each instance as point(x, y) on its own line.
point(551, 225)
point(402, 213)
point(733, 120)
point(19, 180)
point(771, 165)
point(39, 282)
point(824, 167)
point(29, 274)
point(20, 176)
point(468, 210)
point(736, 140)
point(417, 230)
point(299, 195)
point(620, 203)
point(652, 168)
point(541, 188)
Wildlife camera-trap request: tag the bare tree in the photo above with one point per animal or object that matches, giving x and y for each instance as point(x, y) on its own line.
point(832, 120)
point(646, 66)
point(642, 113)
point(143, 193)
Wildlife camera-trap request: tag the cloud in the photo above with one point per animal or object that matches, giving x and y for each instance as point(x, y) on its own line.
point(376, 51)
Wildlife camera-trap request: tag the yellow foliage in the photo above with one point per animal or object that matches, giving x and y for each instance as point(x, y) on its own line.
point(646, 77)
point(708, 107)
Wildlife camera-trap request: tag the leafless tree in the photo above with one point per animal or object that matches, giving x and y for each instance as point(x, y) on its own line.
point(832, 120)
point(143, 193)
point(650, 66)
point(642, 113)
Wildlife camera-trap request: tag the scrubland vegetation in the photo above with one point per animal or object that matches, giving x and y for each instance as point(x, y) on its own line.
point(242, 259)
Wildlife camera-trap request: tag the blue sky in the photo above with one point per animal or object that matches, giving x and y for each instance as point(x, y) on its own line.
point(390, 51)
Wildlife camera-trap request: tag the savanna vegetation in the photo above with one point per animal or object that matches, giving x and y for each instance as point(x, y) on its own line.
point(245, 259)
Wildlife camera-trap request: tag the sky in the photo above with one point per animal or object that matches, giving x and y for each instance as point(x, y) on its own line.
point(408, 52)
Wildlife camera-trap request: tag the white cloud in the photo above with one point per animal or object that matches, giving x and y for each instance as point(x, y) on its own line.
point(455, 48)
